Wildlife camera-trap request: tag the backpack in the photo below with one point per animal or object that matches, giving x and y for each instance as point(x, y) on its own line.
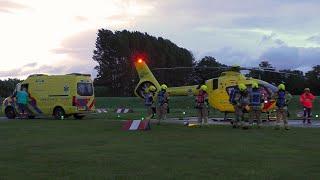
point(200, 98)
point(281, 100)
point(255, 98)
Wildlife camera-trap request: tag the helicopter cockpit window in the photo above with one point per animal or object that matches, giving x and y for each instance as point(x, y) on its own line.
point(266, 90)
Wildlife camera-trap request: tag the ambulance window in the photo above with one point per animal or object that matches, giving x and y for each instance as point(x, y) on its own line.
point(24, 86)
point(85, 89)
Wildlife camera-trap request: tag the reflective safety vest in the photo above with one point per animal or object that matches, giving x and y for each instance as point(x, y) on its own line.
point(148, 99)
point(201, 100)
point(162, 98)
point(255, 98)
point(306, 99)
point(201, 97)
point(281, 99)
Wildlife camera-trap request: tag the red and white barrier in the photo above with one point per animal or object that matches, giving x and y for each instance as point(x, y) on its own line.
point(134, 125)
point(123, 110)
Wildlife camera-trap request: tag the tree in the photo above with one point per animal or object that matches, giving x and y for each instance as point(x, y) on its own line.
point(200, 73)
point(266, 65)
point(313, 79)
point(294, 81)
point(116, 51)
point(8, 86)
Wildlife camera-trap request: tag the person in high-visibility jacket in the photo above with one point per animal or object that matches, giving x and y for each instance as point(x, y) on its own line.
point(162, 103)
point(149, 101)
point(202, 104)
point(256, 100)
point(282, 99)
point(306, 100)
point(242, 102)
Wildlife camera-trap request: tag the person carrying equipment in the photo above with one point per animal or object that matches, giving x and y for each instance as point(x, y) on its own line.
point(242, 101)
point(282, 98)
point(162, 103)
point(202, 105)
point(306, 100)
point(256, 100)
point(235, 93)
point(149, 101)
point(22, 100)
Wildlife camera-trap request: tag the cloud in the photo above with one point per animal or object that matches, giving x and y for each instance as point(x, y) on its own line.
point(10, 6)
point(81, 18)
point(29, 69)
point(272, 39)
point(292, 57)
point(31, 65)
point(77, 54)
point(314, 39)
point(281, 57)
point(231, 56)
point(79, 51)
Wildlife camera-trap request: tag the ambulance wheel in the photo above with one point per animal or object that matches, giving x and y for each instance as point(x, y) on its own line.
point(58, 112)
point(77, 116)
point(10, 113)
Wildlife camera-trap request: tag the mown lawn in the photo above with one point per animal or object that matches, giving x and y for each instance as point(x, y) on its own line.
point(97, 149)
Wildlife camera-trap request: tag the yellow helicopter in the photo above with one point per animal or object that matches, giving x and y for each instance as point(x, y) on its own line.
point(218, 88)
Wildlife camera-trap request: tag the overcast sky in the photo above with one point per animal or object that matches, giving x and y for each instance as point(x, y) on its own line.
point(57, 37)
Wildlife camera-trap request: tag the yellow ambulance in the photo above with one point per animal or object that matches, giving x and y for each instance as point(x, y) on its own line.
point(57, 95)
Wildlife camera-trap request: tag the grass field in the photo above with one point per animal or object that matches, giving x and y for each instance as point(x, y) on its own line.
point(98, 149)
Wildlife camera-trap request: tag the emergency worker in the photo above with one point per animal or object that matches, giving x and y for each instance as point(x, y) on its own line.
point(22, 100)
point(306, 100)
point(162, 103)
point(235, 93)
point(256, 100)
point(149, 101)
point(202, 105)
point(282, 98)
point(242, 102)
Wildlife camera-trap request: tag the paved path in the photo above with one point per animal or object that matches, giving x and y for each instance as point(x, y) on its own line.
point(220, 121)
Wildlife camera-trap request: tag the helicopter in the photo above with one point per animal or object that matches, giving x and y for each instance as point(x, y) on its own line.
point(219, 88)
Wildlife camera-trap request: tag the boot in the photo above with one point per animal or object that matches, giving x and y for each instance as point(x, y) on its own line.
point(309, 121)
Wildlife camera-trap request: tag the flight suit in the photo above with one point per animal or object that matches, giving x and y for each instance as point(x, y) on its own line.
point(202, 107)
point(241, 108)
point(282, 109)
point(256, 100)
point(149, 104)
point(162, 105)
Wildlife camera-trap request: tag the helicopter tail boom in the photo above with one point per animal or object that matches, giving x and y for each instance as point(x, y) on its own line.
point(146, 79)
